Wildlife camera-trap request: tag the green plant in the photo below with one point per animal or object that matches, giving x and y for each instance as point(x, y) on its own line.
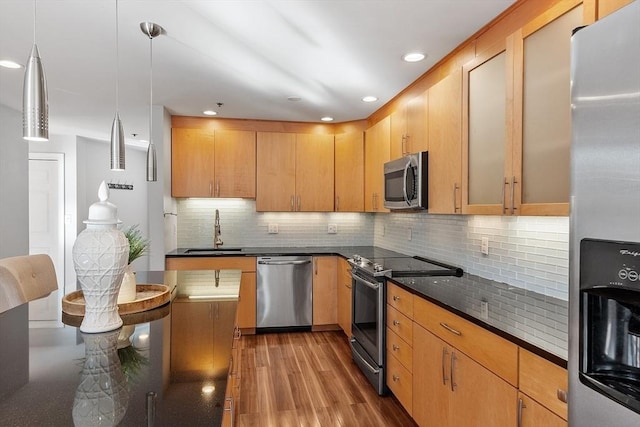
point(138, 245)
point(131, 361)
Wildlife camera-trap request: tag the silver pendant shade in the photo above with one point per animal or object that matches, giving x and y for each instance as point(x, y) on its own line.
point(117, 132)
point(151, 30)
point(35, 104)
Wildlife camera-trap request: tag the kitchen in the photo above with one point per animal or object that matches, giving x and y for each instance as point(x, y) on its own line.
point(528, 252)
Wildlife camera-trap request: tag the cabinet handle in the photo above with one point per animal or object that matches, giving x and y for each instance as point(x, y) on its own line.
point(444, 370)
point(230, 408)
point(396, 323)
point(396, 298)
point(292, 204)
point(211, 188)
point(562, 395)
point(395, 378)
point(513, 186)
point(450, 329)
point(395, 347)
point(404, 140)
point(337, 203)
point(504, 204)
point(375, 201)
point(455, 193)
point(521, 406)
point(453, 364)
point(298, 203)
point(151, 408)
point(218, 188)
point(315, 265)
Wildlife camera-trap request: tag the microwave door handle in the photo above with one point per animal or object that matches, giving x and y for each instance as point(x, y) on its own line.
point(404, 185)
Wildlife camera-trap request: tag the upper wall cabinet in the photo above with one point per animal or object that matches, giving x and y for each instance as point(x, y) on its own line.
point(517, 120)
point(376, 153)
point(295, 172)
point(349, 172)
point(409, 127)
point(207, 163)
point(445, 144)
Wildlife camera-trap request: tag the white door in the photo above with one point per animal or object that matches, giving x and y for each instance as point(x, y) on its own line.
point(46, 230)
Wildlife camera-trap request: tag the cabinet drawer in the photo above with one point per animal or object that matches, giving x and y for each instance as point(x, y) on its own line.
point(543, 381)
point(400, 299)
point(400, 324)
point(491, 351)
point(400, 381)
point(535, 415)
point(400, 349)
point(211, 263)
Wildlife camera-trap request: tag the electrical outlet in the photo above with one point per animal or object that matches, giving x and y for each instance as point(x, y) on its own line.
point(409, 234)
point(484, 309)
point(484, 246)
point(273, 228)
point(332, 228)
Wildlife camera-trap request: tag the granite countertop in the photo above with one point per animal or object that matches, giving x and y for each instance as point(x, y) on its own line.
point(534, 321)
point(135, 360)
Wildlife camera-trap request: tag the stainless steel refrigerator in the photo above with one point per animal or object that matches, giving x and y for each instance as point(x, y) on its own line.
point(604, 289)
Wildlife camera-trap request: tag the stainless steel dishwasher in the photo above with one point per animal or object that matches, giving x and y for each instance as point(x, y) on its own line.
point(284, 297)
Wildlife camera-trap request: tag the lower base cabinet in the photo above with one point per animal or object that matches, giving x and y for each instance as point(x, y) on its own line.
point(533, 414)
point(451, 389)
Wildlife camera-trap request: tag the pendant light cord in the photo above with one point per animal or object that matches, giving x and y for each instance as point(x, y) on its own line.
point(150, 89)
point(34, 21)
point(117, 61)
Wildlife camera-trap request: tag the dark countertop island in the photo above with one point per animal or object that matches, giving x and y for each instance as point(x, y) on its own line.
point(138, 371)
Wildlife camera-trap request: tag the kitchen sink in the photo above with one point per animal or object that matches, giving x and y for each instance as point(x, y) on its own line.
point(210, 250)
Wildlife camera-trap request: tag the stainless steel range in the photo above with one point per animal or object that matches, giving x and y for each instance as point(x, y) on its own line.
point(369, 298)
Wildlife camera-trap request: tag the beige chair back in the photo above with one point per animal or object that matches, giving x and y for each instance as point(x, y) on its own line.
point(25, 278)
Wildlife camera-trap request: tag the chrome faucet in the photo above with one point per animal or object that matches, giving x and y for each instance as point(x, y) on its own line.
point(217, 242)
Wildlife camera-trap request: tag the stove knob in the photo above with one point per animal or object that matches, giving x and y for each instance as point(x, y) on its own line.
point(357, 258)
point(377, 267)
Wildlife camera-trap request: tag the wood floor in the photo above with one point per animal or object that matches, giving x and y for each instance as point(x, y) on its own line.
point(309, 379)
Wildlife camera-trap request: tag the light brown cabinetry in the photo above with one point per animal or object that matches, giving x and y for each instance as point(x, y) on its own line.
point(409, 127)
point(246, 311)
point(400, 345)
point(349, 172)
point(207, 163)
point(543, 387)
point(605, 7)
point(376, 153)
point(445, 144)
point(325, 290)
point(295, 172)
point(344, 296)
point(232, 394)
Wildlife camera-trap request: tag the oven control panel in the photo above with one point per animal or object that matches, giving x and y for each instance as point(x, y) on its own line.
point(609, 264)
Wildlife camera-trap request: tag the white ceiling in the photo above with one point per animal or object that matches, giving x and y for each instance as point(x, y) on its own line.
point(250, 55)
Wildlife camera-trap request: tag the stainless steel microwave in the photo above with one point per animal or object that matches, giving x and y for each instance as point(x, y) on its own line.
point(405, 182)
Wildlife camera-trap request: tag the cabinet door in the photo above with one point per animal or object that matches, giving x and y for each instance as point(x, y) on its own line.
point(325, 310)
point(486, 150)
point(376, 153)
point(192, 162)
point(398, 132)
point(191, 337)
point(445, 144)
point(349, 172)
point(542, 113)
point(479, 397)
point(223, 320)
point(417, 124)
point(247, 301)
point(275, 171)
point(431, 379)
point(235, 164)
point(533, 414)
point(344, 296)
point(314, 173)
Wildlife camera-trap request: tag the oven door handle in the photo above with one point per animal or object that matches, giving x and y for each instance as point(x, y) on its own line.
point(358, 279)
point(367, 364)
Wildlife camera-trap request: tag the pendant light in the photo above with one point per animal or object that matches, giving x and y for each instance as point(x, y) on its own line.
point(35, 105)
point(117, 133)
point(151, 30)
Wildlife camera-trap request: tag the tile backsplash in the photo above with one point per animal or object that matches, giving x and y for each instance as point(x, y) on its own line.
point(527, 252)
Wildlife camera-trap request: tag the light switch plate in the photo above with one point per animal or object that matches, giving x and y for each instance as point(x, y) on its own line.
point(332, 228)
point(273, 228)
point(484, 246)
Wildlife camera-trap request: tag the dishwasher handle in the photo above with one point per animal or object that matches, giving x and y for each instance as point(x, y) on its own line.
point(285, 262)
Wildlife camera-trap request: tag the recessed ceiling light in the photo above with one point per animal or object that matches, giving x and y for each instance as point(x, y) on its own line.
point(327, 119)
point(294, 98)
point(369, 99)
point(9, 64)
point(209, 113)
point(208, 389)
point(413, 57)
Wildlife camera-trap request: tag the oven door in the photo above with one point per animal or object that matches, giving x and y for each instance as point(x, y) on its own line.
point(368, 315)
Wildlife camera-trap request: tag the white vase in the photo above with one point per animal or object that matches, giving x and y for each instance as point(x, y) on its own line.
point(128, 287)
point(100, 255)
